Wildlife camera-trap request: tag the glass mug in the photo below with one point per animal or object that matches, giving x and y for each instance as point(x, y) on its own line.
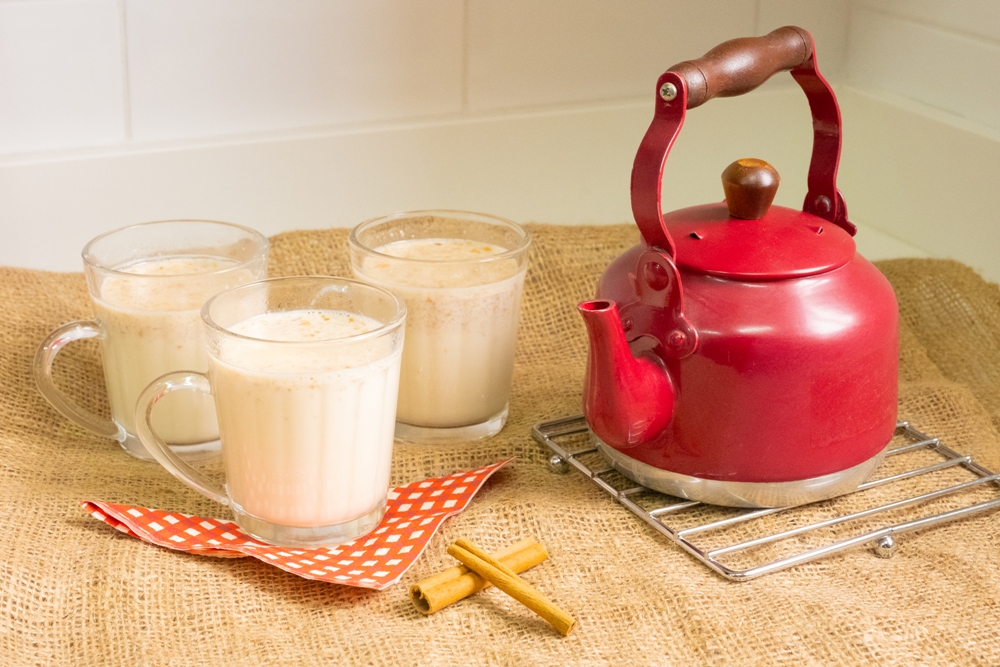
point(304, 373)
point(461, 275)
point(148, 283)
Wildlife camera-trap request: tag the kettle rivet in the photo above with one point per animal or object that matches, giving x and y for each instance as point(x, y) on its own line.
point(656, 276)
point(822, 204)
point(627, 324)
point(668, 92)
point(676, 339)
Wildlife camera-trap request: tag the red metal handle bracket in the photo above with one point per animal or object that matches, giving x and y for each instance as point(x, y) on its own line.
point(659, 312)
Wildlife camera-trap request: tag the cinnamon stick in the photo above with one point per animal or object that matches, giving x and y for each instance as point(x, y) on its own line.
point(457, 583)
point(503, 578)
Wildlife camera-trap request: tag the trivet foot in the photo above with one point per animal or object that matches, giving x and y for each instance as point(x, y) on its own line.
point(558, 464)
point(885, 547)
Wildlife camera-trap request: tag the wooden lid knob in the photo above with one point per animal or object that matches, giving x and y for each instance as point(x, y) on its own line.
point(750, 185)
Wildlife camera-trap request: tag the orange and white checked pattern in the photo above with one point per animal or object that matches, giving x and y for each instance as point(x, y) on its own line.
point(377, 560)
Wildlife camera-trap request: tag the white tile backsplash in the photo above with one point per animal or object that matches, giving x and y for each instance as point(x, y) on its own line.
point(974, 17)
point(936, 67)
point(531, 53)
point(60, 75)
point(282, 113)
point(200, 68)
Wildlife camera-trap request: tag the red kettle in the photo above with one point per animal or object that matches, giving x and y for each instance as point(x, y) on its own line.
point(743, 354)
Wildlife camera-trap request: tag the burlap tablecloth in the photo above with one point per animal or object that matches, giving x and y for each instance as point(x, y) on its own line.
point(75, 592)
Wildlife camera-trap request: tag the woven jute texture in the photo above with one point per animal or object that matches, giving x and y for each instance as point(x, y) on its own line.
point(75, 592)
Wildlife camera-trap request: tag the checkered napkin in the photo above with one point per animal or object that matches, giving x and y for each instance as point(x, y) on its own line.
point(377, 560)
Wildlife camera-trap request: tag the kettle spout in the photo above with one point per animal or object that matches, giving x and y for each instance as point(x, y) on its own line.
point(627, 400)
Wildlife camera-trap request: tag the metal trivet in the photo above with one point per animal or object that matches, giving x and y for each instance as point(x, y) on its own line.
point(941, 485)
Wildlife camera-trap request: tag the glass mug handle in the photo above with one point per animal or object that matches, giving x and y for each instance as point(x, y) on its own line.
point(42, 369)
point(175, 465)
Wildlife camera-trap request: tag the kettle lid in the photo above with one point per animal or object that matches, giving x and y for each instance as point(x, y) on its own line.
point(745, 237)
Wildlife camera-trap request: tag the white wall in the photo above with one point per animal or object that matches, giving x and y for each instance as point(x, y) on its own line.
point(944, 55)
point(285, 114)
point(923, 161)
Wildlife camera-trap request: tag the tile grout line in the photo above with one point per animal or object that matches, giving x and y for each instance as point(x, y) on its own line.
point(465, 55)
point(309, 133)
point(848, 53)
point(126, 91)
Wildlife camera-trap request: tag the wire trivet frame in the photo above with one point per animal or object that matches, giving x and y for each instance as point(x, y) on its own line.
point(665, 517)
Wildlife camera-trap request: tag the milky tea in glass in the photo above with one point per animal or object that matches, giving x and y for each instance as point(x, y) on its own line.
point(305, 373)
point(461, 275)
point(148, 283)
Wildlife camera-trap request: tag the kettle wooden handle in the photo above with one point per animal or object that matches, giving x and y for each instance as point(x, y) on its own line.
point(740, 65)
